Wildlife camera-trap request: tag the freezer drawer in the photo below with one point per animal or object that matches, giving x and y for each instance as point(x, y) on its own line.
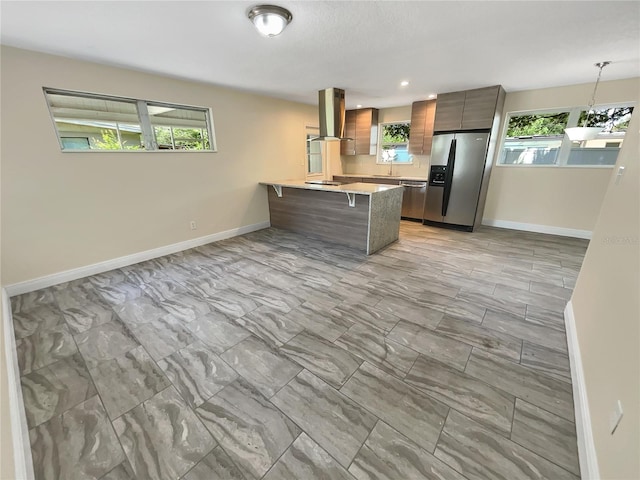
point(413, 199)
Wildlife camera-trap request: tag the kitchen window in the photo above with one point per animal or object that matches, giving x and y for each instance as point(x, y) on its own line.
point(537, 137)
point(90, 122)
point(314, 152)
point(394, 143)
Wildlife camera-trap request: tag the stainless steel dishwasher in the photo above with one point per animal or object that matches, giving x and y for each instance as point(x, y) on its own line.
point(413, 199)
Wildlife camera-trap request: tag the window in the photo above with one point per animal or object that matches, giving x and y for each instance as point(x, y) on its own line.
point(314, 152)
point(394, 143)
point(538, 138)
point(86, 121)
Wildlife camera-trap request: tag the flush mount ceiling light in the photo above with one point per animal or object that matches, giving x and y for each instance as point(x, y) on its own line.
point(270, 20)
point(404, 83)
point(580, 134)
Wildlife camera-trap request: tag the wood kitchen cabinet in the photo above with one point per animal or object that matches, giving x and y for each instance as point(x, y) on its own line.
point(362, 127)
point(341, 179)
point(421, 133)
point(467, 110)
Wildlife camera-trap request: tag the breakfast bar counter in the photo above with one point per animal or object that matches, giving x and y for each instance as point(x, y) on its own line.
point(365, 216)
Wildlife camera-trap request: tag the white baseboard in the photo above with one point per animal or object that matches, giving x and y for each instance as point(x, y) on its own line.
point(19, 430)
point(532, 227)
point(586, 447)
point(81, 272)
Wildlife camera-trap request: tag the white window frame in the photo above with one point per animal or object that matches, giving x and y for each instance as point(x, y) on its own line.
point(311, 133)
point(565, 147)
point(147, 131)
point(379, 159)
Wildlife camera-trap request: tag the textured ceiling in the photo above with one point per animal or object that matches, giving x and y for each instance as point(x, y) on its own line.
point(367, 48)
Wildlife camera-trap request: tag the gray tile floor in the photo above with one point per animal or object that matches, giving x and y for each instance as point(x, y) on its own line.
point(277, 356)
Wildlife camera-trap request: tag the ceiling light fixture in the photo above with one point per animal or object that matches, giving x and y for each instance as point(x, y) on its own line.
point(580, 134)
point(270, 20)
point(432, 96)
point(404, 83)
point(358, 106)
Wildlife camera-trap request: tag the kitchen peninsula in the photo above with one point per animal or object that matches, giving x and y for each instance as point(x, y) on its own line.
point(365, 216)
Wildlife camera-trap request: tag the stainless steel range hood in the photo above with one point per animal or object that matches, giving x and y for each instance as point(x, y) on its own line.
point(331, 110)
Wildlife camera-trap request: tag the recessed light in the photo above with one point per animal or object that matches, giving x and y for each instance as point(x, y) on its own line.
point(404, 83)
point(358, 106)
point(432, 96)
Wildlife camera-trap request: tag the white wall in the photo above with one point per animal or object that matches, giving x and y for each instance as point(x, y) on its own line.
point(568, 198)
point(66, 210)
point(366, 164)
point(607, 317)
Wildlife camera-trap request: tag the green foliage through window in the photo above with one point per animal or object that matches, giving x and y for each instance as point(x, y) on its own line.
point(546, 124)
point(610, 119)
point(395, 133)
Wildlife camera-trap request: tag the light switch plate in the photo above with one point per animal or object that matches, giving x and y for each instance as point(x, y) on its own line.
point(616, 416)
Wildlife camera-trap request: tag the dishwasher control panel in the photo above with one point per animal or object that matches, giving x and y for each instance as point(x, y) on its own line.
point(437, 175)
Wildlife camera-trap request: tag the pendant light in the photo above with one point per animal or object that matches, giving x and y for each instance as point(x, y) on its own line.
point(580, 134)
point(270, 20)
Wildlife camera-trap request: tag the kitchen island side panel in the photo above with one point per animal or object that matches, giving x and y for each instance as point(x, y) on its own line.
point(321, 214)
point(385, 219)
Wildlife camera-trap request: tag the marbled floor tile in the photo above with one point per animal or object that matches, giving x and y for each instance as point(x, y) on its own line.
point(547, 360)
point(479, 401)
point(111, 277)
point(36, 319)
point(88, 312)
point(498, 277)
point(215, 466)
point(319, 320)
point(505, 303)
point(261, 365)
point(371, 345)
point(331, 363)
point(185, 307)
point(121, 472)
point(248, 427)
point(197, 373)
point(526, 383)
point(104, 342)
point(55, 389)
point(305, 459)
point(479, 336)
point(410, 311)
point(467, 311)
point(118, 293)
point(530, 298)
point(334, 421)
point(217, 331)
point(427, 342)
point(127, 380)
point(365, 315)
point(389, 455)
point(544, 317)
point(548, 435)
point(162, 437)
point(163, 336)
point(270, 325)
point(405, 408)
point(139, 311)
point(480, 454)
point(79, 444)
point(143, 272)
point(162, 289)
point(279, 300)
point(31, 300)
point(551, 290)
point(232, 303)
point(44, 347)
point(519, 327)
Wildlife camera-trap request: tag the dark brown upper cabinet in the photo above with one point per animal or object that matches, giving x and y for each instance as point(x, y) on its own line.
point(468, 110)
point(361, 126)
point(421, 132)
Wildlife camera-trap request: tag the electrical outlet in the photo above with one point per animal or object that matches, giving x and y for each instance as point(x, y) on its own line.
point(615, 418)
point(193, 225)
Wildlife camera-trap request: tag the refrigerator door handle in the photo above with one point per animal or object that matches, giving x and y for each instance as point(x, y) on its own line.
point(451, 161)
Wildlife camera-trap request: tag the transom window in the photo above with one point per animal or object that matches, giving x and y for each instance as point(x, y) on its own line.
point(538, 137)
point(90, 122)
point(394, 143)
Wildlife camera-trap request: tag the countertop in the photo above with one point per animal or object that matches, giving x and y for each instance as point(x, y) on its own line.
point(358, 188)
point(394, 177)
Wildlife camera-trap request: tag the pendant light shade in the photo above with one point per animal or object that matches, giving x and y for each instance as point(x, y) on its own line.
point(270, 20)
point(580, 134)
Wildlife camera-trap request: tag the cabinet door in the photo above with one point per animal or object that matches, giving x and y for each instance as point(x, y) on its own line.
point(416, 133)
point(348, 147)
point(381, 180)
point(341, 179)
point(449, 108)
point(427, 139)
point(366, 131)
point(480, 108)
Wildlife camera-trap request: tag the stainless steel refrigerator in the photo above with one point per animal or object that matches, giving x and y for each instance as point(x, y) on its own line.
point(457, 171)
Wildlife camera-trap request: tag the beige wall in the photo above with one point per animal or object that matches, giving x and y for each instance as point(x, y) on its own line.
point(366, 164)
point(66, 210)
point(607, 315)
point(552, 196)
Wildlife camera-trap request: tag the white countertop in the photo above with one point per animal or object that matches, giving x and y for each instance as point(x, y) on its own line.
point(359, 188)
